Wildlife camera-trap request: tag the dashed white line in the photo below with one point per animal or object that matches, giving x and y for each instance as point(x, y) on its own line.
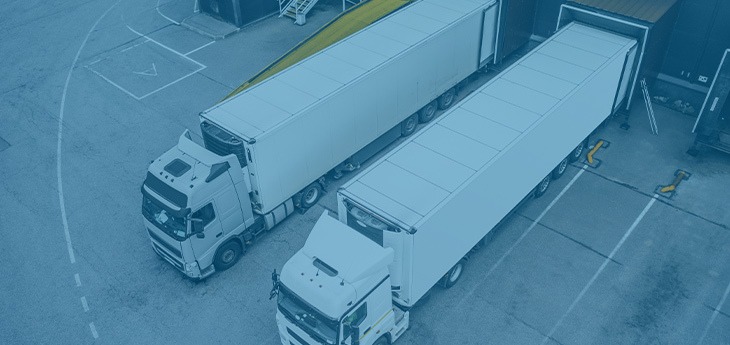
point(714, 315)
point(59, 180)
point(600, 269)
point(93, 330)
point(199, 48)
point(84, 303)
point(77, 278)
point(524, 234)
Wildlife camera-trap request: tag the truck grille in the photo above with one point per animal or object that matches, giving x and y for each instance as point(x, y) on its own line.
point(222, 143)
point(297, 337)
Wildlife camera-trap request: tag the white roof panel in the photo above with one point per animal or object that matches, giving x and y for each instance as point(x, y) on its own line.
point(462, 6)
point(378, 44)
point(355, 55)
point(425, 170)
point(442, 14)
point(333, 68)
point(527, 98)
point(476, 127)
point(600, 34)
point(285, 97)
point(398, 32)
point(500, 111)
point(309, 81)
point(557, 68)
point(252, 111)
point(588, 43)
point(418, 22)
point(442, 171)
point(402, 186)
point(456, 146)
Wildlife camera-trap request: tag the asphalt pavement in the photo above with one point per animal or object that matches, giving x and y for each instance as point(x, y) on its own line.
point(92, 91)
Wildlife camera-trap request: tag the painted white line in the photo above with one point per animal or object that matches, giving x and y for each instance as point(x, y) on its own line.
point(600, 269)
point(93, 330)
point(164, 16)
point(84, 304)
point(126, 49)
point(115, 84)
point(166, 47)
point(171, 83)
point(59, 179)
point(524, 234)
point(199, 48)
point(78, 280)
point(714, 315)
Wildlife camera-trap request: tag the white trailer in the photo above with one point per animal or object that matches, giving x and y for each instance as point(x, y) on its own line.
point(330, 111)
point(414, 215)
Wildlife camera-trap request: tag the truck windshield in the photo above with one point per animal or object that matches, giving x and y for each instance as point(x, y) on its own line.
point(174, 226)
point(318, 326)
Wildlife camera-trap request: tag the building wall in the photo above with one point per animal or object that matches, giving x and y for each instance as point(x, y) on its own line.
point(696, 43)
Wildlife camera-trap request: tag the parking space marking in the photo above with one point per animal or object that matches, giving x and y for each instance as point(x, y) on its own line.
point(93, 330)
point(84, 304)
point(199, 48)
point(600, 269)
point(524, 234)
point(166, 47)
point(714, 315)
point(78, 280)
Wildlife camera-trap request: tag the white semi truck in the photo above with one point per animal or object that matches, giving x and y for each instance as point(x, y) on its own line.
point(409, 220)
point(268, 149)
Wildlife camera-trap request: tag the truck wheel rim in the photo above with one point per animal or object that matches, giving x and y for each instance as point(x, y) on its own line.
point(544, 184)
point(448, 99)
point(455, 273)
point(228, 256)
point(563, 165)
point(310, 196)
point(578, 151)
point(410, 124)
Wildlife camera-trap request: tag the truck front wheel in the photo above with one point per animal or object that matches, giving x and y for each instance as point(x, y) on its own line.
point(454, 274)
point(227, 256)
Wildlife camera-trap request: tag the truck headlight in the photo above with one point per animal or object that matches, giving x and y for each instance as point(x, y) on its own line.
point(191, 266)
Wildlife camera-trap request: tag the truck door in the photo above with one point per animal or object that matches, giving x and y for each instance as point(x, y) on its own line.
point(489, 34)
point(204, 243)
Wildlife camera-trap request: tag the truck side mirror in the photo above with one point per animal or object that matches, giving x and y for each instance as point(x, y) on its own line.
point(196, 225)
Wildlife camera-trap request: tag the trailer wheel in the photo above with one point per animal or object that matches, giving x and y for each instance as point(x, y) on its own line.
point(446, 100)
point(310, 195)
point(427, 113)
point(542, 187)
point(560, 169)
point(578, 151)
point(408, 126)
point(453, 275)
point(227, 255)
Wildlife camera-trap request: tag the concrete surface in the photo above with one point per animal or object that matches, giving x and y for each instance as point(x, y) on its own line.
point(591, 270)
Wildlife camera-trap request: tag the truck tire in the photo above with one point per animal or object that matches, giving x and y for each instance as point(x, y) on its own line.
point(408, 126)
point(578, 151)
point(427, 113)
point(542, 187)
point(227, 255)
point(453, 275)
point(446, 100)
point(310, 195)
point(560, 169)
point(382, 341)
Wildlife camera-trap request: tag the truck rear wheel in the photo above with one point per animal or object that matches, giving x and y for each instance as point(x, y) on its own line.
point(427, 113)
point(408, 126)
point(560, 169)
point(578, 151)
point(227, 255)
point(453, 275)
point(542, 187)
point(310, 195)
point(446, 100)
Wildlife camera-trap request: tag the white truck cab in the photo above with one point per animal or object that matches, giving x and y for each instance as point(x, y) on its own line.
point(336, 290)
point(194, 205)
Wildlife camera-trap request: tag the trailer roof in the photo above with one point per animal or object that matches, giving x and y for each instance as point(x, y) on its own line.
point(413, 179)
point(262, 107)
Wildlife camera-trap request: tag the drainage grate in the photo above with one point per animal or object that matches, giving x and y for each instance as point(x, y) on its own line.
point(3, 144)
